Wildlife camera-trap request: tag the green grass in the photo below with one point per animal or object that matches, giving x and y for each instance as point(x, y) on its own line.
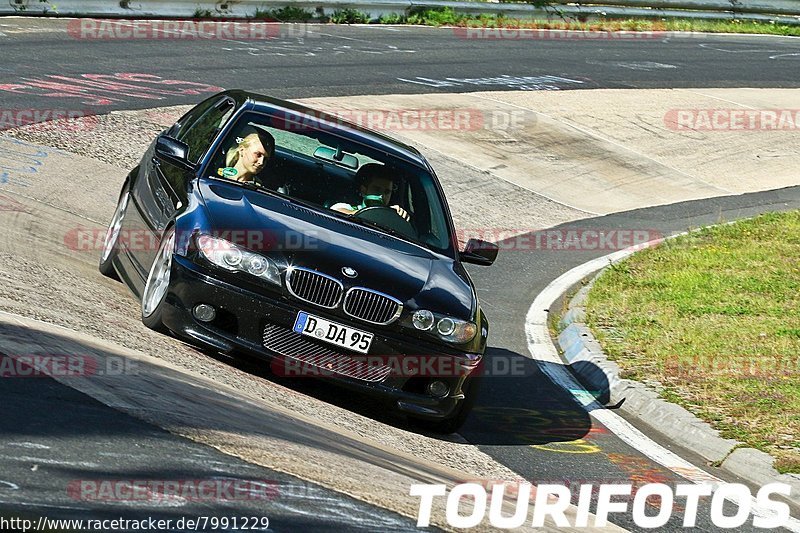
point(285, 14)
point(714, 318)
point(393, 18)
point(202, 14)
point(613, 25)
point(350, 16)
point(446, 16)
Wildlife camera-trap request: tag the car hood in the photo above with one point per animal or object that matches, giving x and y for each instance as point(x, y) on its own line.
point(300, 236)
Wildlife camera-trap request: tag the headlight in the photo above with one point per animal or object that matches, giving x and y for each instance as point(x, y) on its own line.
point(236, 259)
point(447, 328)
point(423, 319)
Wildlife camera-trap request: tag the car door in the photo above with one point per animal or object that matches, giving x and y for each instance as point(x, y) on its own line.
point(162, 193)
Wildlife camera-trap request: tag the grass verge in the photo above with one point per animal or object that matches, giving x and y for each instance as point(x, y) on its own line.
point(446, 16)
point(712, 320)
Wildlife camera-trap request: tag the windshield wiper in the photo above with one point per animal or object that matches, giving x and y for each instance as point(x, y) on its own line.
point(383, 229)
point(375, 225)
point(263, 188)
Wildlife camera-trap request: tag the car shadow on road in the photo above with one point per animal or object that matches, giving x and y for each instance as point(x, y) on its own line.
point(516, 403)
point(519, 405)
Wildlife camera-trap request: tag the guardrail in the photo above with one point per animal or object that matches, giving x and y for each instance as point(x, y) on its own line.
point(771, 7)
point(778, 11)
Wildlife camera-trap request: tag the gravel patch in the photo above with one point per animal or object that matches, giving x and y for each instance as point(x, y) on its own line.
point(118, 138)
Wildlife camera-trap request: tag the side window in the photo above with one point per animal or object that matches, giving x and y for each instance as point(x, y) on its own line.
point(191, 117)
point(199, 129)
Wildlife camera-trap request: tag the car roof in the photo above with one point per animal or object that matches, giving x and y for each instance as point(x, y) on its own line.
point(345, 129)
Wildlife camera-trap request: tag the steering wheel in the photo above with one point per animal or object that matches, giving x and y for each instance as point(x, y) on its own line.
point(387, 217)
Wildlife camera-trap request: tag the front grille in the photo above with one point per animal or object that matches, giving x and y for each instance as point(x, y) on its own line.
point(314, 287)
point(294, 346)
point(372, 306)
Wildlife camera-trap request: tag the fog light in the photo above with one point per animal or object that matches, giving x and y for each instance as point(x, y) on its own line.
point(204, 312)
point(438, 388)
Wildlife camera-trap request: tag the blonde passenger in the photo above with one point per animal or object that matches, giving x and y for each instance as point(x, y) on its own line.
point(244, 161)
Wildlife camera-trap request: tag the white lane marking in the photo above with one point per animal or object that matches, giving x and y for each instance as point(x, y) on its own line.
point(41, 460)
point(341, 37)
point(10, 485)
point(525, 83)
point(793, 56)
point(31, 445)
point(383, 27)
point(701, 93)
point(643, 65)
point(25, 504)
point(430, 82)
point(544, 353)
point(746, 51)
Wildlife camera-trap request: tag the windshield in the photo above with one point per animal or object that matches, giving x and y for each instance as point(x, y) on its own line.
point(349, 179)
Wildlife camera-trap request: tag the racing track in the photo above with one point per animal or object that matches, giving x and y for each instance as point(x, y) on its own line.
point(525, 423)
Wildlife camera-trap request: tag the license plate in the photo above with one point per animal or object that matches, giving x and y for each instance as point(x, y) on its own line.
point(333, 332)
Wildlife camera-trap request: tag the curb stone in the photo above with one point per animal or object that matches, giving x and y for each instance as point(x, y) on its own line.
point(589, 363)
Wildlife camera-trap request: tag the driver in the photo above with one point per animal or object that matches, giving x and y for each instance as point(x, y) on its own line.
point(376, 190)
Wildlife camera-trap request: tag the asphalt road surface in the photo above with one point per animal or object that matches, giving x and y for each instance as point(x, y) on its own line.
point(52, 59)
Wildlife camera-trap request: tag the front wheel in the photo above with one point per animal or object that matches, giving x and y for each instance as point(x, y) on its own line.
point(155, 290)
point(111, 243)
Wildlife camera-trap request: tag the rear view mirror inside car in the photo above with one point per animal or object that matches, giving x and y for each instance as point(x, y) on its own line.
point(336, 156)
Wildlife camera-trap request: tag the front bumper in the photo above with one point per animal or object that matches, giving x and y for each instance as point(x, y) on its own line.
point(245, 315)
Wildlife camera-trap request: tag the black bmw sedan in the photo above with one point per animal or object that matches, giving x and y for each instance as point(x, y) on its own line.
point(255, 225)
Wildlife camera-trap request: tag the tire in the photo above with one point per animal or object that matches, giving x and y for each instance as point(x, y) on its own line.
point(157, 285)
point(111, 242)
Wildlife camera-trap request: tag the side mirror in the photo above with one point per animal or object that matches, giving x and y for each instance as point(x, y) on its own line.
point(173, 151)
point(479, 252)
